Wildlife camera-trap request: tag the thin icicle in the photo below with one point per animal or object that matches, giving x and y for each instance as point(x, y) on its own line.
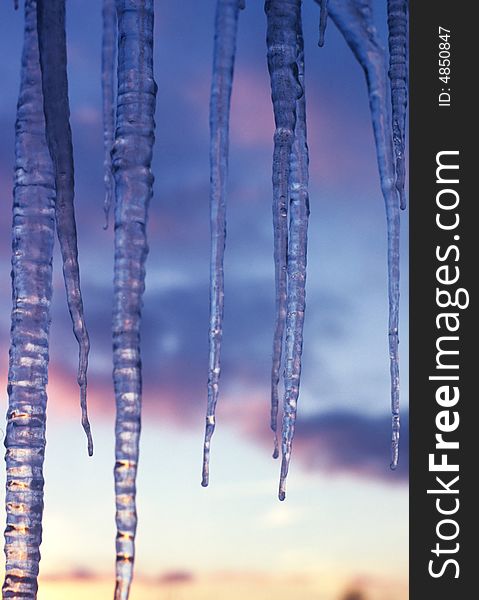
point(354, 20)
point(32, 249)
point(53, 61)
point(108, 56)
point(132, 154)
point(398, 76)
point(323, 21)
point(282, 21)
point(297, 253)
point(226, 27)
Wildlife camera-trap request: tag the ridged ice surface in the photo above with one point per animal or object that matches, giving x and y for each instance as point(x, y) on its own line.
point(355, 21)
point(132, 154)
point(226, 26)
point(297, 255)
point(398, 77)
point(108, 67)
point(282, 21)
point(32, 245)
point(53, 61)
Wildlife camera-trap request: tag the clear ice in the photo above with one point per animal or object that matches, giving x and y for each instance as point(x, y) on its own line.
point(131, 158)
point(32, 249)
point(297, 256)
point(283, 17)
point(226, 27)
point(53, 62)
point(323, 20)
point(108, 65)
point(355, 21)
point(398, 77)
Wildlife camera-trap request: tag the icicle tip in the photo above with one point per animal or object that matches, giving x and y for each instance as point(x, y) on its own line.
point(86, 427)
point(395, 443)
point(276, 446)
point(323, 20)
point(394, 455)
point(205, 476)
point(84, 419)
point(282, 482)
point(205, 479)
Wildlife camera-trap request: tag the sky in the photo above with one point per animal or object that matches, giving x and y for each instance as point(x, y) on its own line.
point(342, 532)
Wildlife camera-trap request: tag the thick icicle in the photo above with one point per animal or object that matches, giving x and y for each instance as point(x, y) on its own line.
point(108, 55)
point(323, 21)
point(354, 20)
point(282, 21)
point(398, 76)
point(298, 241)
point(132, 154)
point(226, 27)
point(53, 61)
point(32, 246)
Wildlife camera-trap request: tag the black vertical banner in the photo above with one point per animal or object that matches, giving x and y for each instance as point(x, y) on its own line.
point(444, 204)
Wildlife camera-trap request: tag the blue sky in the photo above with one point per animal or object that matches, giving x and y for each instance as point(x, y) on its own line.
point(342, 498)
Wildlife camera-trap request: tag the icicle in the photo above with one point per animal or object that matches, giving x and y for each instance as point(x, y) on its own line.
point(53, 61)
point(354, 20)
point(398, 76)
point(323, 21)
point(108, 56)
point(298, 240)
point(282, 20)
point(32, 248)
point(226, 26)
point(132, 154)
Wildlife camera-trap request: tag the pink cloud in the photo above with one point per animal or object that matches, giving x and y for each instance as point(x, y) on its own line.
point(252, 122)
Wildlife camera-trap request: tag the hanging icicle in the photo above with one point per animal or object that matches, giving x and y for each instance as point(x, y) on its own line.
point(108, 56)
point(282, 22)
point(398, 76)
point(297, 254)
point(132, 154)
point(354, 19)
point(53, 61)
point(226, 27)
point(32, 249)
point(323, 21)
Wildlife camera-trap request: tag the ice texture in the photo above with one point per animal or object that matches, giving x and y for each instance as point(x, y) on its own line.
point(297, 256)
point(131, 158)
point(108, 67)
point(53, 62)
point(226, 27)
point(323, 21)
point(355, 21)
point(32, 249)
point(398, 77)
